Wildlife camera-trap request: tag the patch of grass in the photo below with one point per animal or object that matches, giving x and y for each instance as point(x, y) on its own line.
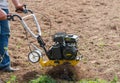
point(18, 45)
point(48, 79)
point(115, 79)
point(12, 79)
point(93, 81)
point(101, 44)
point(43, 79)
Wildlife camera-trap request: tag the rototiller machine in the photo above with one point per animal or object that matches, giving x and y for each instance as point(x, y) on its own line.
point(64, 50)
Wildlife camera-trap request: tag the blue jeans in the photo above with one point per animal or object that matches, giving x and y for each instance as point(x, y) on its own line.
point(4, 39)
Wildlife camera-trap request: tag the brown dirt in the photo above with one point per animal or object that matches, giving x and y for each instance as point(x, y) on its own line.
point(97, 24)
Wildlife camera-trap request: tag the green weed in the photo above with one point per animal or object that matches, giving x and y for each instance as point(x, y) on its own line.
point(43, 79)
point(101, 44)
point(12, 79)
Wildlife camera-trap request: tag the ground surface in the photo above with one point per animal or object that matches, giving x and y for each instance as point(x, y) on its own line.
point(96, 22)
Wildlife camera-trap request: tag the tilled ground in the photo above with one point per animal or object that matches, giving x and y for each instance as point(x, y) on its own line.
point(96, 22)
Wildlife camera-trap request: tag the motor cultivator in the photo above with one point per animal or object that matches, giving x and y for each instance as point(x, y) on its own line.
point(64, 50)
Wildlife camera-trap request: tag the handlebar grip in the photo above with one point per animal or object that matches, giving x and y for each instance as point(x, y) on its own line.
point(11, 17)
point(24, 10)
point(20, 9)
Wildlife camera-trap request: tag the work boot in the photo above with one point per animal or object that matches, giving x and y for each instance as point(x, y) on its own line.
point(9, 69)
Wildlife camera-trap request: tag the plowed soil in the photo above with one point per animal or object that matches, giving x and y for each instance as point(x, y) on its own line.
point(96, 22)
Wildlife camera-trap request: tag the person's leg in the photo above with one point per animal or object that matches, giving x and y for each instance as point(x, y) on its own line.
point(4, 39)
point(3, 52)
